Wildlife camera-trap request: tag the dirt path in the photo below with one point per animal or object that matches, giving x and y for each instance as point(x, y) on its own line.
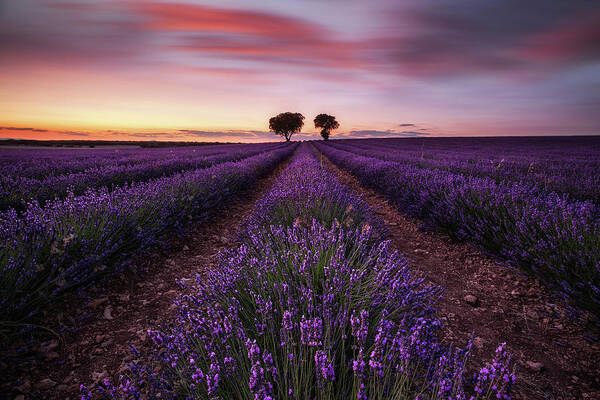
point(132, 305)
point(554, 360)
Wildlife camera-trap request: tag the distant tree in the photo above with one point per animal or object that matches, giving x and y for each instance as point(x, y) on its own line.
point(327, 123)
point(286, 124)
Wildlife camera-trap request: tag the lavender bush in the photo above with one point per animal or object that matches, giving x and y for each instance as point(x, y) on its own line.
point(45, 251)
point(16, 190)
point(312, 305)
point(43, 163)
point(555, 238)
point(568, 166)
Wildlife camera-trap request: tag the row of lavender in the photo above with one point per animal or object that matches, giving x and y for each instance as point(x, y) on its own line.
point(41, 163)
point(555, 238)
point(17, 190)
point(311, 305)
point(570, 167)
point(45, 251)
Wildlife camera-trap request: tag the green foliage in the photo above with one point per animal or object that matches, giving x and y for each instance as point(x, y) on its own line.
point(286, 124)
point(327, 123)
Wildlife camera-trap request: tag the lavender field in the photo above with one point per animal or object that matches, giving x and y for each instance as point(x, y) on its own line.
point(74, 219)
point(302, 293)
point(533, 202)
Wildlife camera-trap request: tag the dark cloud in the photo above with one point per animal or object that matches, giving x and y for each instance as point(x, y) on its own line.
point(450, 37)
point(187, 133)
point(72, 133)
point(70, 33)
point(387, 133)
point(151, 135)
point(37, 130)
point(229, 133)
point(427, 38)
point(216, 134)
point(247, 134)
point(406, 125)
point(12, 128)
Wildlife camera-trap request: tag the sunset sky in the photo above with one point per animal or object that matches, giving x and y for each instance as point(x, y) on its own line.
point(196, 70)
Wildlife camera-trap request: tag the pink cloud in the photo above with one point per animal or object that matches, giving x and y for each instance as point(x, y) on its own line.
point(576, 39)
point(251, 35)
point(164, 16)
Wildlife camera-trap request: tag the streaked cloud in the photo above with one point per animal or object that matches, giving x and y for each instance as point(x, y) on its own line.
point(247, 34)
point(222, 69)
point(12, 128)
point(386, 133)
point(456, 38)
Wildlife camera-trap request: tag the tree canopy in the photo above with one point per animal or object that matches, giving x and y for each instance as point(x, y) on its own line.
point(286, 124)
point(327, 123)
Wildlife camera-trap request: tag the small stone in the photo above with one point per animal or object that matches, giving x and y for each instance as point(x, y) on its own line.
point(142, 335)
point(472, 300)
point(45, 384)
point(478, 342)
point(559, 327)
point(124, 298)
point(535, 366)
point(99, 376)
point(532, 314)
point(186, 248)
point(108, 313)
point(100, 338)
point(98, 302)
